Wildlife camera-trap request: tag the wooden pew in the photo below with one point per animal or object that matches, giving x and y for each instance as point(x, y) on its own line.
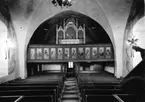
point(42, 98)
point(36, 98)
point(27, 92)
point(28, 87)
point(51, 92)
point(100, 98)
point(83, 80)
point(89, 94)
point(103, 86)
point(18, 86)
point(110, 98)
point(82, 87)
point(8, 98)
point(98, 87)
point(101, 91)
point(51, 82)
point(40, 87)
point(98, 84)
point(126, 97)
point(86, 92)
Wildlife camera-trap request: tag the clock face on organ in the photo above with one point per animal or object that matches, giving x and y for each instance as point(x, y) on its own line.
point(70, 33)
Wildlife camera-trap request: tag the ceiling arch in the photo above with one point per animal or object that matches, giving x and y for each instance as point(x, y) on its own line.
point(45, 10)
point(95, 12)
point(46, 32)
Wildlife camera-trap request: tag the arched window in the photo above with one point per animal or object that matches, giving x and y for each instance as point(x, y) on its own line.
point(139, 33)
point(3, 50)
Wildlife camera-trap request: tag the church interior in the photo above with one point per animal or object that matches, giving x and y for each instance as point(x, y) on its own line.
point(72, 51)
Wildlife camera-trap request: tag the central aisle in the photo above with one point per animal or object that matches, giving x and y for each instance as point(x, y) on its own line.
point(70, 92)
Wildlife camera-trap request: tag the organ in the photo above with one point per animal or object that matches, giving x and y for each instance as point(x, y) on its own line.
point(70, 32)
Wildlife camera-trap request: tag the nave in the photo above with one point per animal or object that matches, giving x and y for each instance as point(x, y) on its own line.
point(58, 87)
point(99, 40)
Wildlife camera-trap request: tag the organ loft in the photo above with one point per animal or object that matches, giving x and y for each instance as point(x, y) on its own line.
point(72, 51)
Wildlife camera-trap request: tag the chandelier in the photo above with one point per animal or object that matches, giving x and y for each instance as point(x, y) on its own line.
point(62, 3)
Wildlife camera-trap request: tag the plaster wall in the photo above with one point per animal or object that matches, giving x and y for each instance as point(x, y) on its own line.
point(3, 55)
point(9, 52)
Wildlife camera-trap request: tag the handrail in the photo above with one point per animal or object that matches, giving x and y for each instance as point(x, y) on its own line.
point(19, 99)
point(118, 98)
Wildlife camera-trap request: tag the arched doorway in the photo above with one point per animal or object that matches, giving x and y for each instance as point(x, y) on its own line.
point(46, 34)
point(3, 50)
point(39, 17)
